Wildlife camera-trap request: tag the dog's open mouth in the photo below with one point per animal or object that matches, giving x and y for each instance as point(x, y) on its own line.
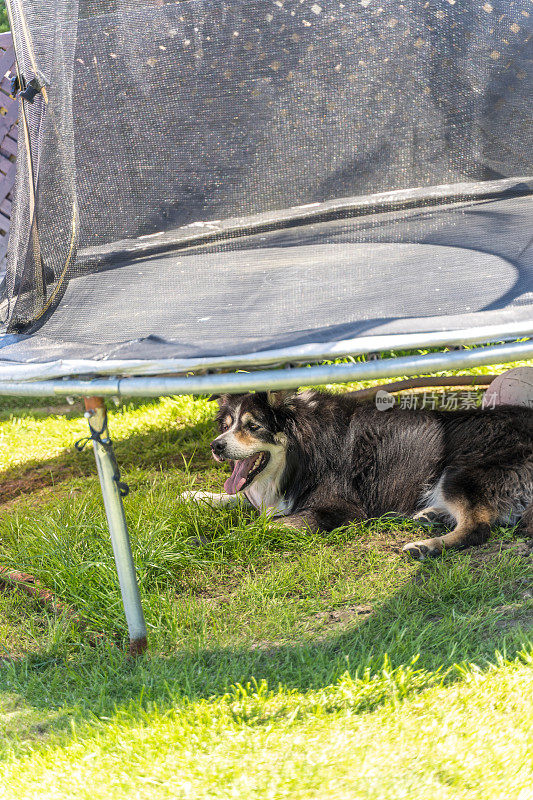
point(245, 471)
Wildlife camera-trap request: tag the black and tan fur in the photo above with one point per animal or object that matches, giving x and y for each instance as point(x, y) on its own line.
point(331, 460)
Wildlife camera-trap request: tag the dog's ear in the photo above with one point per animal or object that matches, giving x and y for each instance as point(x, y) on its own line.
point(221, 399)
point(281, 398)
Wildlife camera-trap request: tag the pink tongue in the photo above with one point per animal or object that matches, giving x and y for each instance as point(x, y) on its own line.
point(237, 479)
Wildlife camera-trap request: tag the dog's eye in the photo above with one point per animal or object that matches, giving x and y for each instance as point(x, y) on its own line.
point(253, 426)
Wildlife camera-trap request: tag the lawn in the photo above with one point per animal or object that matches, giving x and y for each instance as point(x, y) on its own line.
point(4, 24)
point(282, 665)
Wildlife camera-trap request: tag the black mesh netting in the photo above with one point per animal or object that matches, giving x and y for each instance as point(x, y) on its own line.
point(222, 178)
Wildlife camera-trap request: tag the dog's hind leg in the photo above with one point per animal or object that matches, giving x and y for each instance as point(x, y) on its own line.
point(432, 516)
point(435, 513)
point(461, 499)
point(472, 528)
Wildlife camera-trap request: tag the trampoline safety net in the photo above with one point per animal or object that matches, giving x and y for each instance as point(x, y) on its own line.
point(206, 178)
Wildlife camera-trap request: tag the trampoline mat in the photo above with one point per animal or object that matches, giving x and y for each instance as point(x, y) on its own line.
point(439, 269)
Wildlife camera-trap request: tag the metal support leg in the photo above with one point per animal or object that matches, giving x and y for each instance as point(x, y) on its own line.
point(105, 461)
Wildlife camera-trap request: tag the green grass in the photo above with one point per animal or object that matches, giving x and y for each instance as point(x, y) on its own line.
point(391, 736)
point(4, 24)
point(282, 665)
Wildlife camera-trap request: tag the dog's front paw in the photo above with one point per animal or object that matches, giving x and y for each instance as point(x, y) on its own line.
point(214, 499)
point(192, 496)
point(197, 496)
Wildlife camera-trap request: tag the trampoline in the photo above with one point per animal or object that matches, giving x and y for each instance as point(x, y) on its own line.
point(211, 195)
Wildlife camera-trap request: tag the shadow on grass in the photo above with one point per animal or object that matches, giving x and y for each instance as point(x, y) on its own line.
point(452, 612)
point(156, 449)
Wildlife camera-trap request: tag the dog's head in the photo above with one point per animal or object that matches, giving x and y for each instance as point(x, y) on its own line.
point(251, 436)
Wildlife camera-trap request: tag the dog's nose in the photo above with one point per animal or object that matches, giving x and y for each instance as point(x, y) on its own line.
point(217, 448)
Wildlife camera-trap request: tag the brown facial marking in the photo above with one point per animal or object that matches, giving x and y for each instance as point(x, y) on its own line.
point(228, 420)
point(248, 420)
point(245, 438)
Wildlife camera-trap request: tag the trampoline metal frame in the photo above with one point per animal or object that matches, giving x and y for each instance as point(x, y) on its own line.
point(303, 353)
point(262, 380)
point(96, 415)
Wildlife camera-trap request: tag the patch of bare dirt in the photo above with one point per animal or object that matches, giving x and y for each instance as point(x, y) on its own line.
point(487, 552)
point(515, 615)
point(33, 481)
point(61, 409)
point(322, 624)
point(56, 410)
point(340, 615)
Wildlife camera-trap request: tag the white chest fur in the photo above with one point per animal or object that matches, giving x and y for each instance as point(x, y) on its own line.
point(267, 500)
point(264, 493)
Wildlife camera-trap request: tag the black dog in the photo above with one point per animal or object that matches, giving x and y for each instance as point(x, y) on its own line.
point(321, 461)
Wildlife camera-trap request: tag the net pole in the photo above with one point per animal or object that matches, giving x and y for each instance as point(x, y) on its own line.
point(96, 414)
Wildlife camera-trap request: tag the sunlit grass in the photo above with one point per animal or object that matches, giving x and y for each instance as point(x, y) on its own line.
point(399, 733)
point(282, 664)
